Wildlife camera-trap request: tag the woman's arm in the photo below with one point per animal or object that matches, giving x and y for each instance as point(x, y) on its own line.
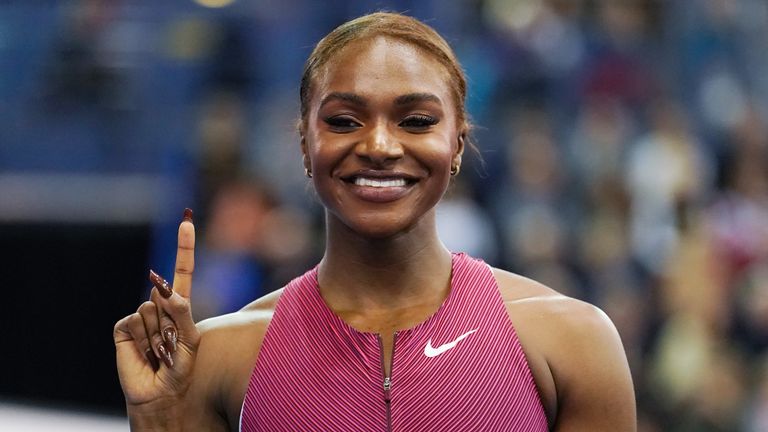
point(228, 350)
point(591, 373)
point(575, 355)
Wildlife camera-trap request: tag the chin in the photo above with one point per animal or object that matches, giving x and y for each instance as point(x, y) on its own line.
point(378, 226)
point(379, 229)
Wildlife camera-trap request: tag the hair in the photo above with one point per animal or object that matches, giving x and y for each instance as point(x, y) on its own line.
point(395, 26)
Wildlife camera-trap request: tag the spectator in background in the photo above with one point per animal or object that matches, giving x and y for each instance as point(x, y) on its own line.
point(665, 168)
point(249, 240)
point(532, 204)
point(464, 225)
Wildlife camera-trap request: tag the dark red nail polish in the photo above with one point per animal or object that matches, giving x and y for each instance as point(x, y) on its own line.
point(161, 284)
point(153, 362)
point(165, 355)
point(169, 338)
point(188, 215)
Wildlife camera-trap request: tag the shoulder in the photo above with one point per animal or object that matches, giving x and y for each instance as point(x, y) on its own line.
point(228, 350)
point(527, 298)
point(222, 335)
point(534, 303)
point(574, 351)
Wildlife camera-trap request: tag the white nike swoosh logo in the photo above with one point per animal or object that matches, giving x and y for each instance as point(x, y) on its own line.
point(429, 351)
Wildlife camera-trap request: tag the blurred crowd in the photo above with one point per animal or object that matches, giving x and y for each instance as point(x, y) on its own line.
point(623, 157)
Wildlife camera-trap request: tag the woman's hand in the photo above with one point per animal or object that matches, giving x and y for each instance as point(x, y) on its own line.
point(156, 346)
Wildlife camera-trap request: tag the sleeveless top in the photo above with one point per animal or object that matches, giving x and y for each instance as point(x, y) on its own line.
point(463, 369)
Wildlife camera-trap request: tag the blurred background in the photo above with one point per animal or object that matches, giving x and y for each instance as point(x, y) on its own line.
point(623, 160)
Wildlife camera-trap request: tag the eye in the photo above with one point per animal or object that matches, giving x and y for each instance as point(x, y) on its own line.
point(342, 123)
point(418, 122)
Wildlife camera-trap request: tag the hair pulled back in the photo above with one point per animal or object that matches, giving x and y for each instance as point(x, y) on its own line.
point(395, 26)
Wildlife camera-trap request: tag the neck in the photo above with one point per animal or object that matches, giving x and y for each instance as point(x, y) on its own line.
point(380, 275)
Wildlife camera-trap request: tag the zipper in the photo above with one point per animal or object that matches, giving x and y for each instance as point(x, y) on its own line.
point(387, 384)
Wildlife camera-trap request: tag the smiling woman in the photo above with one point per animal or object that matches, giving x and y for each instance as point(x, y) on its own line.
point(381, 127)
point(390, 331)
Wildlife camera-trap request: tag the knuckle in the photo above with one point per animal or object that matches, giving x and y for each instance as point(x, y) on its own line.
point(146, 307)
point(166, 320)
point(119, 325)
point(135, 325)
point(180, 306)
point(156, 339)
point(136, 328)
point(135, 321)
point(143, 344)
point(184, 270)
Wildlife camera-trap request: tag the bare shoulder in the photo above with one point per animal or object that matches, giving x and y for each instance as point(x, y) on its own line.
point(228, 350)
point(527, 299)
point(533, 299)
point(575, 354)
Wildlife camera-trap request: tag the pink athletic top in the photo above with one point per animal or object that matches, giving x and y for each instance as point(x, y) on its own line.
point(462, 369)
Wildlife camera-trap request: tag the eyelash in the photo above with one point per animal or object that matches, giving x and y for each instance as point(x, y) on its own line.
point(341, 123)
point(422, 121)
point(416, 121)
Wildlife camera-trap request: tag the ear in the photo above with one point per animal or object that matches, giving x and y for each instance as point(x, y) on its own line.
point(304, 154)
point(460, 140)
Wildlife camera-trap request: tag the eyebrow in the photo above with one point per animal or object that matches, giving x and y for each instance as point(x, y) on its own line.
point(410, 98)
point(345, 97)
point(356, 99)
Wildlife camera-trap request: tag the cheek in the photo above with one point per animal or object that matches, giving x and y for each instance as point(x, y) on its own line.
point(318, 151)
point(438, 154)
point(324, 158)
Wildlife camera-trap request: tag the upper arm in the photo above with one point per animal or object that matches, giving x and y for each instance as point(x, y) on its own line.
point(591, 373)
point(575, 355)
point(229, 346)
point(203, 407)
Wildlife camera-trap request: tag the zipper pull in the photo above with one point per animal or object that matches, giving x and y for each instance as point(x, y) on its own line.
point(387, 389)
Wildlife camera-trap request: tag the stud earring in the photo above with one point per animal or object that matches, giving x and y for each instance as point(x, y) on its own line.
point(308, 172)
point(455, 169)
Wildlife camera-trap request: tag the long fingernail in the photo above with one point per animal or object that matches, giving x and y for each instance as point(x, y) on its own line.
point(165, 355)
point(170, 337)
point(150, 355)
point(187, 215)
point(161, 284)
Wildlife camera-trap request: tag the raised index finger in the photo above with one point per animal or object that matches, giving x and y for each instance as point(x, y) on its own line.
point(185, 256)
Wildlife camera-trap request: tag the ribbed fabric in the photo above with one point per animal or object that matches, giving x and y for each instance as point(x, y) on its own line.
point(316, 373)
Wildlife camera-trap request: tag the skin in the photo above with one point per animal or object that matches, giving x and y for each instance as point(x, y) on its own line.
point(359, 120)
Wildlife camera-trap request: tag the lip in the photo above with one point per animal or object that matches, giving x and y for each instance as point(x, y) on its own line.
point(379, 175)
point(379, 194)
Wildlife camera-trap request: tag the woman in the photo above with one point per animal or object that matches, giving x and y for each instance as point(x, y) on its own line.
point(390, 331)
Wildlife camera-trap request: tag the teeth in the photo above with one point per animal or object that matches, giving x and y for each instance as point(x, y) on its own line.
point(362, 181)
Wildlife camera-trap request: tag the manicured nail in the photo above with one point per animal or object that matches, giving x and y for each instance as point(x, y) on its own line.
point(188, 215)
point(150, 355)
point(169, 338)
point(161, 284)
point(165, 355)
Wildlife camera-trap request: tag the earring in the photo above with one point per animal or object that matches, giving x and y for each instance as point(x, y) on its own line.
point(455, 169)
point(308, 172)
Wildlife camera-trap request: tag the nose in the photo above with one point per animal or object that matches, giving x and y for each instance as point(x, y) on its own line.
point(380, 145)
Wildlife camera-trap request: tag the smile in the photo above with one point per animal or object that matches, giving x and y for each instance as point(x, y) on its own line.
point(380, 187)
point(379, 183)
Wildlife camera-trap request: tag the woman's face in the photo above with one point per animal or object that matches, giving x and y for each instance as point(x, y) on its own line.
point(381, 135)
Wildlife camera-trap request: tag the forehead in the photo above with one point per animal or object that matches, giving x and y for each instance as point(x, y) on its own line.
point(383, 67)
